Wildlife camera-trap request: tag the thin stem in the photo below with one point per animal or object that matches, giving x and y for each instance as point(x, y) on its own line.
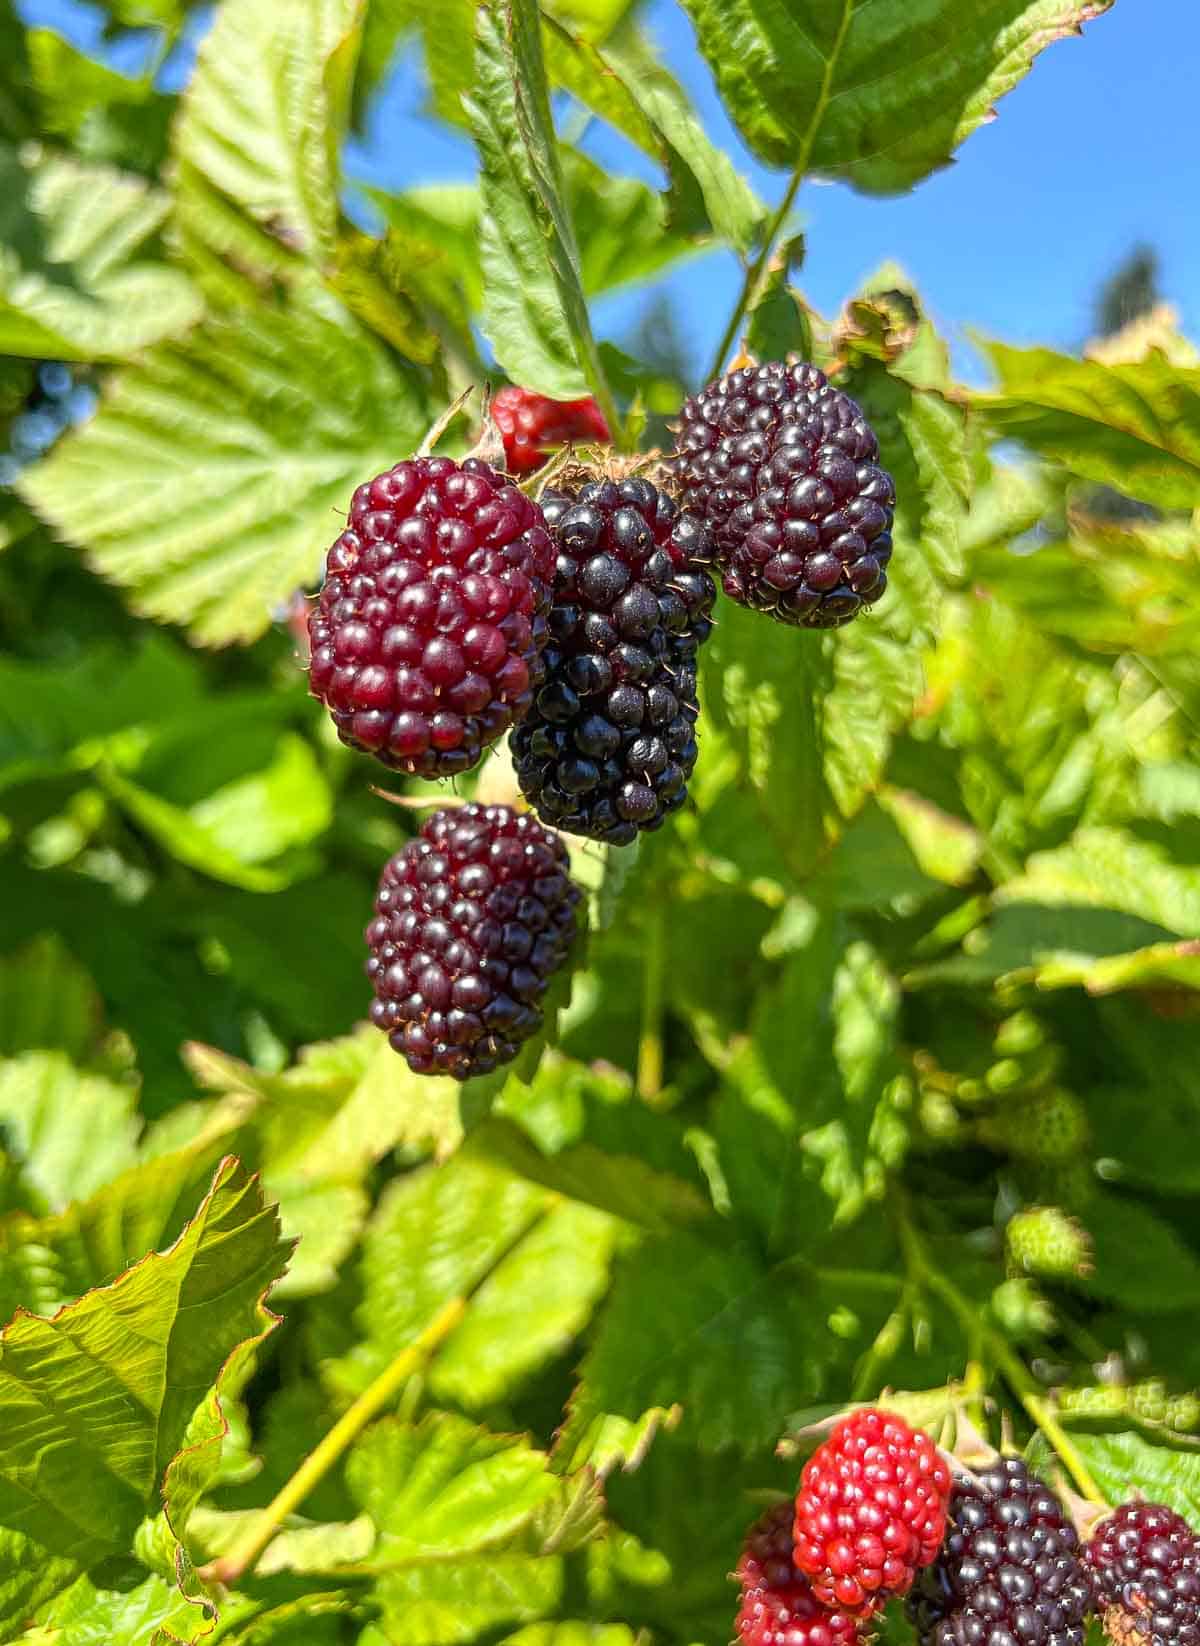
point(1013, 1370)
point(247, 1549)
point(755, 271)
point(650, 1044)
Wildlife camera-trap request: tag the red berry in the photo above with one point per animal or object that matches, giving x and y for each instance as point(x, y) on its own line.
point(871, 1510)
point(531, 423)
point(427, 634)
point(778, 1606)
point(1146, 1564)
point(472, 919)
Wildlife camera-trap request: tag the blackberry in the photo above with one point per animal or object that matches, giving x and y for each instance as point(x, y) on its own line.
point(783, 469)
point(778, 1606)
point(472, 919)
point(427, 634)
point(531, 424)
point(609, 744)
point(870, 1511)
point(1145, 1561)
point(1010, 1574)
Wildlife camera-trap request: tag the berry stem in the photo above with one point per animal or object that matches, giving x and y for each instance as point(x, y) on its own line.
point(756, 270)
point(1010, 1366)
point(650, 1043)
point(247, 1549)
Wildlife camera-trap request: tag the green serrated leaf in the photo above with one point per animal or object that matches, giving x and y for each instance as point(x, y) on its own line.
point(878, 95)
point(71, 1132)
point(1127, 1466)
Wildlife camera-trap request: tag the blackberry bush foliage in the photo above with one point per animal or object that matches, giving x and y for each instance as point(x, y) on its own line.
point(610, 742)
point(849, 966)
point(472, 919)
point(783, 468)
point(426, 635)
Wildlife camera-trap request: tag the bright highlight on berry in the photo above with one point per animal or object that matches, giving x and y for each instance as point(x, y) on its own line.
point(784, 470)
point(427, 633)
point(472, 920)
point(778, 1606)
point(870, 1512)
point(533, 425)
point(1145, 1562)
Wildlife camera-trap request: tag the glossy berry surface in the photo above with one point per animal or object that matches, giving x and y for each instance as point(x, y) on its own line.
point(609, 743)
point(871, 1510)
point(1145, 1561)
point(1011, 1573)
point(783, 468)
point(778, 1607)
point(533, 425)
point(426, 636)
point(472, 919)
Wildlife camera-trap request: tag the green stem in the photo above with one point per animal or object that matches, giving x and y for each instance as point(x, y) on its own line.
point(247, 1549)
point(755, 272)
point(1013, 1370)
point(650, 1044)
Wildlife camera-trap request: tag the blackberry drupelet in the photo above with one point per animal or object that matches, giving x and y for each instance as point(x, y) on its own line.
point(1145, 1562)
point(472, 919)
point(427, 633)
point(871, 1510)
point(609, 743)
point(532, 425)
point(784, 470)
point(1011, 1573)
point(778, 1606)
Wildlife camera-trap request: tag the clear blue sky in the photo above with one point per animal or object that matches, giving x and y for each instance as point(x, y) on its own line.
point(1094, 151)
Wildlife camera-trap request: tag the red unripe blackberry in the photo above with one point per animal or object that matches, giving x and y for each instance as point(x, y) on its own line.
point(783, 468)
point(472, 919)
point(427, 634)
point(778, 1606)
point(871, 1510)
point(532, 425)
point(1010, 1574)
point(609, 744)
point(1145, 1563)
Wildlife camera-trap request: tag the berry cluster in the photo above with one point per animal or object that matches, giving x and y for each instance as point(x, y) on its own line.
point(427, 634)
point(783, 468)
point(472, 919)
point(609, 744)
point(871, 1511)
point(778, 1606)
point(531, 425)
point(1011, 1573)
point(1145, 1563)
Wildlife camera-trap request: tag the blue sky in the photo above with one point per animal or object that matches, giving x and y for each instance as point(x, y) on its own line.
point(1093, 152)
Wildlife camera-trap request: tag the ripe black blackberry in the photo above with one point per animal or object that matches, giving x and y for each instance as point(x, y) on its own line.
point(1010, 1572)
point(1145, 1562)
point(426, 636)
point(609, 744)
point(783, 469)
point(472, 919)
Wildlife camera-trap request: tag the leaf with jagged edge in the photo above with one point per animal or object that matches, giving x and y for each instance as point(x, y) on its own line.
point(534, 310)
point(532, 1264)
point(209, 483)
point(877, 93)
point(128, 1361)
point(1108, 868)
point(1134, 426)
point(72, 1132)
point(1127, 1466)
point(75, 280)
point(256, 142)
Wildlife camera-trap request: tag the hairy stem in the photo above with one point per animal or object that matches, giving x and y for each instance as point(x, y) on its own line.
point(247, 1549)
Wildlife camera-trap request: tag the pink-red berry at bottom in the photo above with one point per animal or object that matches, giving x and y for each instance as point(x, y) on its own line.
point(532, 425)
point(870, 1512)
point(778, 1606)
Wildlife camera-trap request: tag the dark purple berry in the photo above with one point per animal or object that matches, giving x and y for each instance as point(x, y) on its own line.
point(620, 677)
point(1145, 1562)
point(472, 919)
point(782, 469)
point(426, 636)
point(1010, 1572)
